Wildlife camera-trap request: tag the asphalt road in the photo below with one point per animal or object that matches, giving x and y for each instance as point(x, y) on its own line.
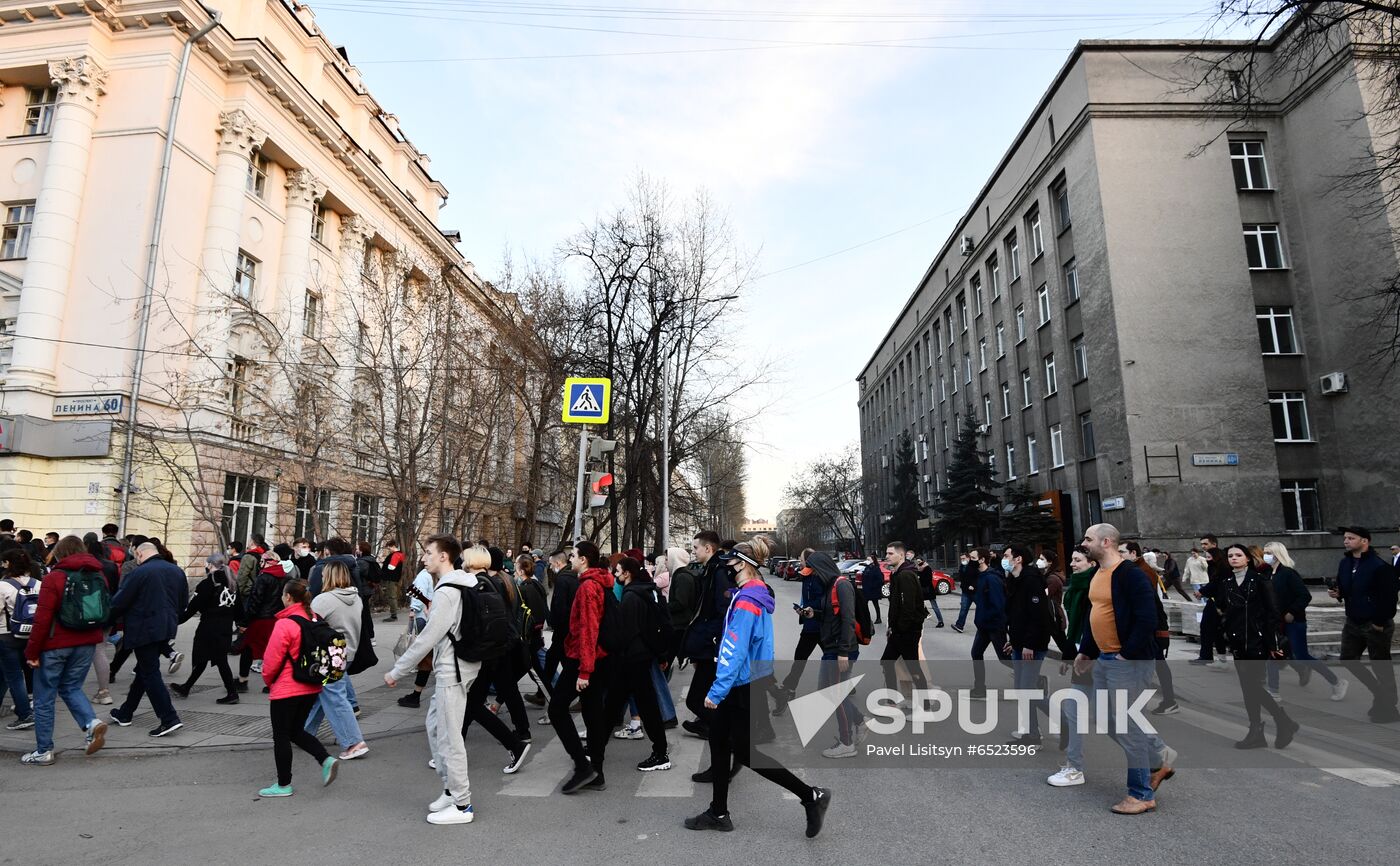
point(201, 805)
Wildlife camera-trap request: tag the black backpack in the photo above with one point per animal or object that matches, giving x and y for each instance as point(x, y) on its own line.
point(611, 638)
point(321, 659)
point(485, 625)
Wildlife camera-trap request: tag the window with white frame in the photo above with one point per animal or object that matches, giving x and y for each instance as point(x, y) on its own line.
point(1005, 399)
point(364, 519)
point(1290, 416)
point(976, 284)
point(257, 174)
point(1086, 436)
point(19, 222)
point(1276, 334)
point(937, 338)
point(1081, 358)
point(1301, 510)
point(967, 369)
point(1013, 257)
point(1032, 454)
point(318, 223)
point(982, 353)
point(39, 106)
point(1263, 247)
point(1001, 340)
point(994, 276)
point(987, 408)
point(1247, 157)
point(948, 323)
point(1026, 388)
point(1059, 196)
point(942, 388)
point(1020, 323)
point(1057, 446)
point(1037, 239)
point(311, 316)
point(246, 277)
point(962, 310)
point(1051, 381)
point(313, 514)
point(1010, 462)
point(245, 507)
point(1042, 299)
point(943, 429)
point(1071, 276)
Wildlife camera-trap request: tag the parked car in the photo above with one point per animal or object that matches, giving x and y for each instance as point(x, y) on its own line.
point(942, 583)
point(792, 570)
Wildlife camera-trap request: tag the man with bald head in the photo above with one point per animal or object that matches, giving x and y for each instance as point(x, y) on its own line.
point(149, 602)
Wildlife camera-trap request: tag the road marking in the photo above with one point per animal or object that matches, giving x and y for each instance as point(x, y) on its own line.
point(542, 773)
point(687, 753)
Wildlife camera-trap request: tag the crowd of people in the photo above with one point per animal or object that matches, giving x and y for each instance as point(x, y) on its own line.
point(300, 616)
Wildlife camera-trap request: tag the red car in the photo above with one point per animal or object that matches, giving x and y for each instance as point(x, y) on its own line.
point(942, 583)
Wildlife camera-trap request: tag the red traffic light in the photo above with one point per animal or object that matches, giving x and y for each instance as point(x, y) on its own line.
point(601, 482)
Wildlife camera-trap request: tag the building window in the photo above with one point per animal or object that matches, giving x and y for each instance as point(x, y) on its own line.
point(1059, 197)
point(967, 369)
point(976, 283)
point(238, 386)
point(1057, 446)
point(1051, 382)
point(1071, 274)
point(937, 338)
point(1005, 400)
point(1248, 160)
point(1032, 454)
point(312, 523)
point(246, 278)
point(1013, 256)
point(1301, 512)
point(1263, 247)
point(245, 507)
point(943, 429)
point(987, 408)
point(994, 276)
point(1093, 508)
point(1276, 334)
point(257, 174)
point(1086, 436)
point(311, 316)
point(364, 519)
point(1001, 340)
point(1290, 413)
point(942, 388)
point(1037, 239)
point(1026, 388)
point(1081, 358)
point(1010, 462)
point(318, 223)
point(39, 106)
point(1042, 299)
point(1020, 323)
point(962, 310)
point(19, 220)
point(948, 324)
point(982, 353)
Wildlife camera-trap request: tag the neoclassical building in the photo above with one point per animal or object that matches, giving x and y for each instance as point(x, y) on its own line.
point(300, 225)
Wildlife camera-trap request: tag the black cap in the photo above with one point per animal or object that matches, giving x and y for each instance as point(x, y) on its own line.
point(1355, 530)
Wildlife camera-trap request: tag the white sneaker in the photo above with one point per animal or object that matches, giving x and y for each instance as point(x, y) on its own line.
point(1219, 664)
point(840, 750)
point(629, 732)
point(544, 722)
point(440, 803)
point(37, 758)
point(1339, 691)
point(1068, 777)
point(359, 750)
point(176, 659)
point(452, 815)
point(432, 763)
point(256, 667)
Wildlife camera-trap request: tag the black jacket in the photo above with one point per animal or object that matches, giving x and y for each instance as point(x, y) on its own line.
point(837, 632)
point(907, 611)
point(534, 609)
point(646, 622)
point(264, 600)
point(1028, 614)
point(683, 596)
point(1290, 593)
point(1249, 615)
point(205, 602)
point(561, 602)
point(150, 601)
point(715, 586)
point(1368, 588)
point(967, 576)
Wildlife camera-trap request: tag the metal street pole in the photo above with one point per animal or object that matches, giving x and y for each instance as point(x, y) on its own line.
point(666, 455)
point(582, 474)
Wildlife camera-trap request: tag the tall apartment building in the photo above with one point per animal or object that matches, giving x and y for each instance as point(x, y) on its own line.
point(1144, 308)
point(297, 215)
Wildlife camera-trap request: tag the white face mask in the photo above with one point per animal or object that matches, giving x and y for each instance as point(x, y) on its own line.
point(1006, 565)
point(1042, 564)
point(1151, 558)
point(1269, 558)
point(963, 560)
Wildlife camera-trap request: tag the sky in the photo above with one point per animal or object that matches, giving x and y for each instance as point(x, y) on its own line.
point(843, 137)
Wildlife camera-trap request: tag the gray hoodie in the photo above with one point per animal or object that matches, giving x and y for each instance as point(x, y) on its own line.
point(838, 630)
point(444, 622)
point(342, 608)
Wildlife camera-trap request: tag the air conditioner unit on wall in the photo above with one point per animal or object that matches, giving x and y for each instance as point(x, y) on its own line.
point(1334, 383)
point(968, 245)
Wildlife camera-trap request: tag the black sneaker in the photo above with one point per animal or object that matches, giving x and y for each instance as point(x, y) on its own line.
point(671, 723)
point(27, 723)
point(780, 702)
point(977, 695)
point(708, 820)
point(816, 810)
point(230, 698)
point(523, 736)
point(537, 699)
point(940, 625)
point(242, 686)
point(1166, 708)
point(707, 776)
point(516, 759)
point(957, 628)
point(1199, 662)
point(597, 783)
point(118, 720)
point(410, 700)
point(356, 711)
point(580, 778)
point(167, 729)
point(696, 729)
point(391, 618)
point(179, 690)
point(655, 762)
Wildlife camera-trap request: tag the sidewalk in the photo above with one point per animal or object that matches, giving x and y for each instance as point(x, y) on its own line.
point(210, 725)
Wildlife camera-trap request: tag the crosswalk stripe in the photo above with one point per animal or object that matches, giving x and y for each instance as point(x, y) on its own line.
point(687, 753)
point(542, 773)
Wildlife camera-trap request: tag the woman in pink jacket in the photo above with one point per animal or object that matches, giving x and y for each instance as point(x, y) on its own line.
point(291, 701)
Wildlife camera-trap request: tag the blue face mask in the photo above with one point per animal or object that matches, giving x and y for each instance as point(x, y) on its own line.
point(1006, 565)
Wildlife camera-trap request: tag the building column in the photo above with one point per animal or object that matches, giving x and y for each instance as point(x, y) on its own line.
point(49, 265)
point(344, 311)
point(294, 267)
point(239, 136)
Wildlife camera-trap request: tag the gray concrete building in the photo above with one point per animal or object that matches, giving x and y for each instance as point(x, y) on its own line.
point(1150, 310)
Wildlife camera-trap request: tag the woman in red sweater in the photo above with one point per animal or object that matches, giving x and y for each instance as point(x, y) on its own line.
point(291, 701)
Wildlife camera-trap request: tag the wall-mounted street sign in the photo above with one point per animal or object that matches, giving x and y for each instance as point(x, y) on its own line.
point(1228, 458)
point(97, 404)
point(586, 401)
point(1115, 503)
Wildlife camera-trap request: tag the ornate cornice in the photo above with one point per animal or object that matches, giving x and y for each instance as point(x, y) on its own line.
point(238, 131)
point(78, 79)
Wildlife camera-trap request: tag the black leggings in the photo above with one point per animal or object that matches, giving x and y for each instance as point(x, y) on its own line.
point(729, 742)
point(633, 678)
point(288, 727)
point(1256, 697)
point(700, 682)
point(509, 669)
point(477, 711)
point(807, 642)
point(220, 663)
point(906, 647)
point(595, 718)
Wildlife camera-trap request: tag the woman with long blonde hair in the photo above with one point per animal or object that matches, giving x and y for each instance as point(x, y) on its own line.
point(1293, 599)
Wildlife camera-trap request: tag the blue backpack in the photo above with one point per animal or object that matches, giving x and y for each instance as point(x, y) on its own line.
point(26, 604)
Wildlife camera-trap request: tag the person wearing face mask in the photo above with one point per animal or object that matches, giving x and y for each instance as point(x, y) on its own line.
point(302, 557)
point(967, 585)
point(990, 619)
point(1249, 621)
point(1293, 599)
point(1029, 625)
point(1048, 563)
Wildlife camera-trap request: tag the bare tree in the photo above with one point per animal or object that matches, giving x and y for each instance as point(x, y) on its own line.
point(831, 489)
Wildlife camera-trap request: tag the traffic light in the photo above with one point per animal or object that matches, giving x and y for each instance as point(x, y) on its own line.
point(599, 448)
point(599, 488)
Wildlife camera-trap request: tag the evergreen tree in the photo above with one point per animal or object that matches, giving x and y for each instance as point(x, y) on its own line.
point(1025, 521)
point(905, 508)
point(967, 505)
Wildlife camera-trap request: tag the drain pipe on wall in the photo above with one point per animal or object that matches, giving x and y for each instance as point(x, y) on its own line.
point(152, 255)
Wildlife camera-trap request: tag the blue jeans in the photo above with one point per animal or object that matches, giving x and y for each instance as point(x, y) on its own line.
point(847, 716)
point(937, 611)
point(963, 607)
point(61, 674)
point(12, 677)
point(336, 704)
point(1112, 674)
point(1026, 675)
point(1074, 749)
point(1297, 634)
point(663, 696)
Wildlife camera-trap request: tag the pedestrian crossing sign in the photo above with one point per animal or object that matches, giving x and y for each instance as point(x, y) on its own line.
point(586, 401)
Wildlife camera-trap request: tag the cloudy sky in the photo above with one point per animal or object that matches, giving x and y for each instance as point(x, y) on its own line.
point(843, 136)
